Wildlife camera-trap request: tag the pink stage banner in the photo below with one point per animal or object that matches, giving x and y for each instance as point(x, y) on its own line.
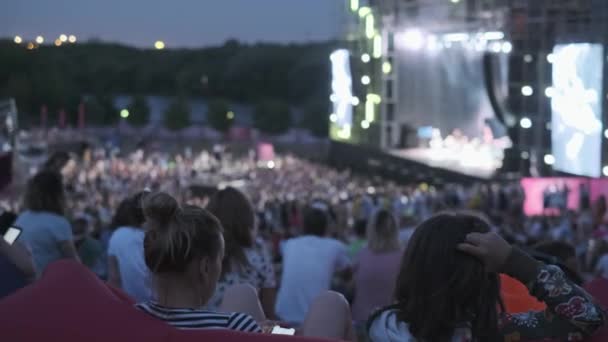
point(546, 196)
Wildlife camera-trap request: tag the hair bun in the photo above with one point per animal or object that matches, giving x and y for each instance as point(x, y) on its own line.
point(159, 209)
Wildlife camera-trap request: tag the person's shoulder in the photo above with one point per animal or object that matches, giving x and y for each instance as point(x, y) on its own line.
point(335, 243)
point(48, 218)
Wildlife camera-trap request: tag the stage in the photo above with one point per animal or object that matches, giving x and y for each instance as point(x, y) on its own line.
point(480, 162)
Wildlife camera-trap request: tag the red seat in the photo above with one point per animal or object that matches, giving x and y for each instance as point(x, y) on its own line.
point(69, 303)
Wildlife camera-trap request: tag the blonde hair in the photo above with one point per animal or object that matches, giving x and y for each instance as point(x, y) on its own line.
point(383, 233)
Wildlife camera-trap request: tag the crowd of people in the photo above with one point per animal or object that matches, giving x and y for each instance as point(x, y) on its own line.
point(214, 240)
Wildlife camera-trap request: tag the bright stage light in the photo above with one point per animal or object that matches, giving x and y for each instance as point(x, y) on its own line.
point(528, 58)
point(18, 40)
point(456, 37)
point(270, 164)
point(363, 11)
point(387, 68)
point(507, 47)
point(549, 159)
point(370, 29)
point(377, 46)
point(455, 1)
point(63, 38)
point(375, 98)
point(606, 134)
point(345, 132)
point(354, 5)
point(333, 117)
point(527, 90)
point(40, 39)
point(370, 111)
point(365, 80)
point(412, 39)
point(159, 45)
point(365, 58)
point(333, 97)
point(496, 47)
point(549, 92)
point(493, 35)
point(364, 124)
point(551, 58)
point(370, 106)
point(355, 101)
point(525, 123)
point(124, 113)
point(605, 171)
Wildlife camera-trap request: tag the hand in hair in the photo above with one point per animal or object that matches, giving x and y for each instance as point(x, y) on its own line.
point(490, 248)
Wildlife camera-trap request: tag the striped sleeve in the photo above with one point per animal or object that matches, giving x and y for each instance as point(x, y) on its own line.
point(243, 322)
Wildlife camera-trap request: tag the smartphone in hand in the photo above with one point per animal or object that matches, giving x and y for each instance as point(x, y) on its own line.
point(12, 234)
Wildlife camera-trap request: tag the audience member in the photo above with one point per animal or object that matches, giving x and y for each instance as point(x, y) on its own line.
point(376, 267)
point(359, 240)
point(126, 265)
point(89, 249)
point(184, 249)
point(45, 229)
point(448, 289)
point(247, 259)
point(309, 263)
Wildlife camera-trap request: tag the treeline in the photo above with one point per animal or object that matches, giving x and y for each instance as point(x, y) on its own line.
point(269, 76)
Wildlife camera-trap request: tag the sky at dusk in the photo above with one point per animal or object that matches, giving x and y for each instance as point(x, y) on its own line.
point(180, 23)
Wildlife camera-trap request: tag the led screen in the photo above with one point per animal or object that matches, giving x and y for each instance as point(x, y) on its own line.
point(342, 93)
point(576, 108)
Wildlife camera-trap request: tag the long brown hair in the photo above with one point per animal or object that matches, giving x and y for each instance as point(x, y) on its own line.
point(235, 212)
point(383, 233)
point(45, 193)
point(440, 289)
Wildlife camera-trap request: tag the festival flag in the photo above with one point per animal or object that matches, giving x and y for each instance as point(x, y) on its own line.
point(81, 114)
point(62, 118)
point(44, 114)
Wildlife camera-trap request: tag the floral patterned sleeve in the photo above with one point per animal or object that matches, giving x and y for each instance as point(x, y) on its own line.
point(571, 313)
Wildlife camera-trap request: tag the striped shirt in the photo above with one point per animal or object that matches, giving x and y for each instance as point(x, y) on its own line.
point(201, 319)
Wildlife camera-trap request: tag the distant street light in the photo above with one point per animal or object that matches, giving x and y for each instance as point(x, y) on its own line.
point(159, 45)
point(72, 39)
point(58, 42)
point(18, 40)
point(124, 113)
point(40, 39)
point(63, 38)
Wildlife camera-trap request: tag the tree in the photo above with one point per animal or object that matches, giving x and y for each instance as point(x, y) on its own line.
point(218, 115)
point(100, 110)
point(139, 112)
point(272, 116)
point(177, 115)
point(316, 118)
